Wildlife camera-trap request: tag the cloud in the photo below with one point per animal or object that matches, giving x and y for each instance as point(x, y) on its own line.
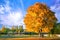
point(1, 9)
point(10, 17)
point(22, 4)
point(56, 9)
point(13, 18)
point(5, 8)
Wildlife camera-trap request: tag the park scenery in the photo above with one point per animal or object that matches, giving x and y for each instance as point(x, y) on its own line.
point(29, 20)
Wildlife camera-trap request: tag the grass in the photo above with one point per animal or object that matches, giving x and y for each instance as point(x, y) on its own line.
point(17, 36)
point(25, 37)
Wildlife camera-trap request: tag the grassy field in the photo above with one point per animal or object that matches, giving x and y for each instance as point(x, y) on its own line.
point(26, 37)
point(18, 36)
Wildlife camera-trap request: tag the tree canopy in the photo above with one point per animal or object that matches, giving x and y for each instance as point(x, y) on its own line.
point(39, 17)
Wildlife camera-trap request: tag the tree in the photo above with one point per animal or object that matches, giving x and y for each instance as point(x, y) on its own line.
point(17, 30)
point(13, 29)
point(39, 18)
point(21, 28)
point(57, 29)
point(5, 30)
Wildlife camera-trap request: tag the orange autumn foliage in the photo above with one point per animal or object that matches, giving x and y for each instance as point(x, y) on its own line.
point(39, 16)
point(3, 29)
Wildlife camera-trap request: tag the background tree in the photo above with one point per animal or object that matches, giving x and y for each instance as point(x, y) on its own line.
point(21, 28)
point(13, 29)
point(39, 18)
point(17, 30)
point(5, 30)
point(57, 29)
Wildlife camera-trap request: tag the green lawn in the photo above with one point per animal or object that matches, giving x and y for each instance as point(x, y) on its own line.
point(25, 36)
point(17, 36)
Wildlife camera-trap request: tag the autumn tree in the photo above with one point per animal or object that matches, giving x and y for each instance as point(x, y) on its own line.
point(39, 18)
point(3, 29)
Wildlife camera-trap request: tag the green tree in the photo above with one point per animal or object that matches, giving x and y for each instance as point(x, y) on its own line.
point(57, 29)
point(7, 30)
point(21, 28)
point(13, 29)
point(17, 30)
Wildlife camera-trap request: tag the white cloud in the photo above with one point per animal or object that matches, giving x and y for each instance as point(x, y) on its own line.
point(12, 17)
point(56, 9)
point(1, 9)
point(5, 8)
point(21, 1)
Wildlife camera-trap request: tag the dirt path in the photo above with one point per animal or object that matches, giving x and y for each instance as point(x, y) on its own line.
point(29, 39)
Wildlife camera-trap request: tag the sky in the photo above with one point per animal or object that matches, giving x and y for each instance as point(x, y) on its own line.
point(12, 12)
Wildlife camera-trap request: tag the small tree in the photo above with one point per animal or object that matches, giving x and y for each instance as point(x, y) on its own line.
point(5, 30)
point(13, 29)
point(21, 28)
point(17, 30)
point(57, 29)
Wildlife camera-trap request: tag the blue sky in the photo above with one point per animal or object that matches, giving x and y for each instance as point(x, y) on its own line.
point(12, 12)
